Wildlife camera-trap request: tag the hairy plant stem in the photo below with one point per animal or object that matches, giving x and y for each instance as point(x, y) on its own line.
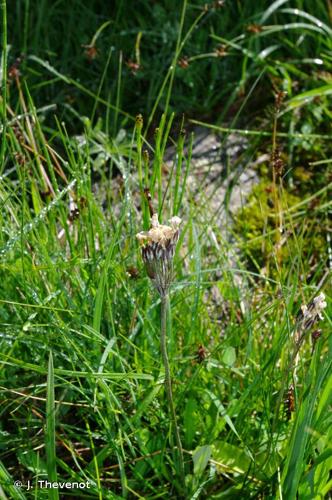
point(168, 383)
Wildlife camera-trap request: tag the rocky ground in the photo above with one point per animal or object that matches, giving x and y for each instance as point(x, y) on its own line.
point(213, 175)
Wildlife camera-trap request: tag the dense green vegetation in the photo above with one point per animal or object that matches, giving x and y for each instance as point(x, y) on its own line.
point(95, 97)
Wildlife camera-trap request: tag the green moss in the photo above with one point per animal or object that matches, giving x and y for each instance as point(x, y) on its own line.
point(256, 225)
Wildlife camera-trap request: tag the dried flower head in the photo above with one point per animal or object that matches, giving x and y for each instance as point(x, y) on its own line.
point(221, 50)
point(289, 401)
point(133, 66)
point(158, 248)
point(254, 28)
point(183, 62)
point(277, 162)
point(309, 315)
point(90, 52)
point(279, 99)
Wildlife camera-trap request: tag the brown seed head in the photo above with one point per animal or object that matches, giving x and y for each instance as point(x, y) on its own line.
point(90, 52)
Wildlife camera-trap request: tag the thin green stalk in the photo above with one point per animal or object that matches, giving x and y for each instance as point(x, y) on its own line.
point(118, 95)
point(277, 189)
point(4, 80)
point(50, 438)
point(157, 162)
point(178, 171)
point(138, 130)
point(160, 164)
point(168, 382)
point(259, 133)
point(171, 70)
point(188, 163)
point(26, 28)
point(101, 83)
point(176, 55)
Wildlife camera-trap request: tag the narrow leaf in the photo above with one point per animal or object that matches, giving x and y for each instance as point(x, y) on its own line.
point(50, 431)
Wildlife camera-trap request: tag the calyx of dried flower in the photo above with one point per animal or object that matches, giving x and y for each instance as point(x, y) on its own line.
point(158, 248)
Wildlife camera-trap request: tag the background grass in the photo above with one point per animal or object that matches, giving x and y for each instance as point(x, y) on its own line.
point(81, 384)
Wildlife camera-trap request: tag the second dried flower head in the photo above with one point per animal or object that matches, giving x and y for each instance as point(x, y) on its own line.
point(158, 248)
point(310, 314)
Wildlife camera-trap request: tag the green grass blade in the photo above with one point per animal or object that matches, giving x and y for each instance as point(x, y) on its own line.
point(8, 484)
point(50, 443)
point(294, 465)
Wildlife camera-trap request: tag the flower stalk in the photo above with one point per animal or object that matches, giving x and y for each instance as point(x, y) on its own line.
point(158, 248)
point(164, 304)
point(306, 319)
